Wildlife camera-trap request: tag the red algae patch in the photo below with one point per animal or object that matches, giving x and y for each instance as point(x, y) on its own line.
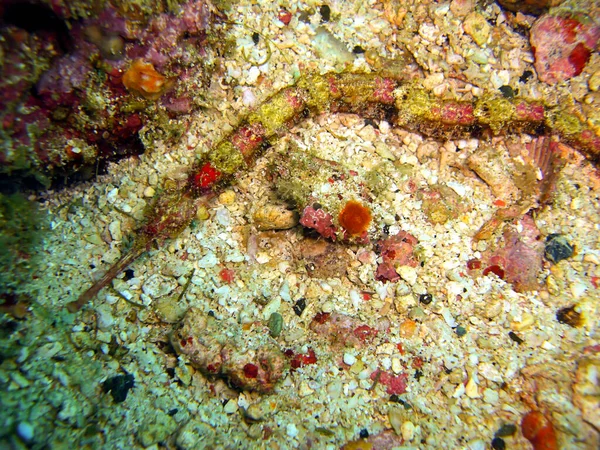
point(355, 218)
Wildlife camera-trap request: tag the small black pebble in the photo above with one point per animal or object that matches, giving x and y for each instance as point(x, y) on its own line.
point(364, 433)
point(325, 12)
point(357, 50)
point(426, 299)
point(515, 338)
point(507, 429)
point(129, 274)
point(299, 306)
point(498, 444)
point(461, 331)
point(173, 412)
point(394, 398)
point(211, 313)
point(557, 248)
point(118, 386)
point(526, 76)
point(255, 37)
point(507, 91)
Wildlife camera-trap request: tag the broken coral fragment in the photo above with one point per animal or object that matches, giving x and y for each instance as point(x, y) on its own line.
point(520, 257)
point(316, 218)
point(219, 348)
point(397, 250)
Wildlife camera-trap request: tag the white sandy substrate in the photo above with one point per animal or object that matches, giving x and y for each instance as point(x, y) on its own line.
point(470, 385)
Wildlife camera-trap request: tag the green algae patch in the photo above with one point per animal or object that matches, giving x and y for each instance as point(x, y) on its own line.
point(495, 112)
point(414, 105)
point(226, 158)
point(275, 113)
point(565, 123)
point(317, 88)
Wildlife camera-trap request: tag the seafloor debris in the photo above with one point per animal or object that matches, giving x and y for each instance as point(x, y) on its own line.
point(222, 349)
point(21, 225)
point(119, 386)
point(345, 331)
point(570, 315)
point(395, 384)
point(522, 178)
point(441, 203)
point(319, 220)
point(529, 6)
point(142, 77)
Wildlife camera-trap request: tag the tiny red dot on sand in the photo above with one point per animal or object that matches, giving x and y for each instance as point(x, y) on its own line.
point(227, 275)
point(495, 269)
point(321, 317)
point(251, 370)
point(285, 16)
point(473, 264)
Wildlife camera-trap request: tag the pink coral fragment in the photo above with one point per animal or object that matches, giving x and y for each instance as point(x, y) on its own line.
point(521, 256)
point(320, 221)
point(396, 384)
point(396, 250)
point(562, 46)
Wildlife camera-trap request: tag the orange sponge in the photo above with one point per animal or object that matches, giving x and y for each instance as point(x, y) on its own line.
point(355, 218)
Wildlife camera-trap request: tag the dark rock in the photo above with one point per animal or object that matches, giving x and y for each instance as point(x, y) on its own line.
point(426, 299)
point(569, 316)
point(557, 248)
point(299, 306)
point(507, 429)
point(118, 386)
point(498, 443)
